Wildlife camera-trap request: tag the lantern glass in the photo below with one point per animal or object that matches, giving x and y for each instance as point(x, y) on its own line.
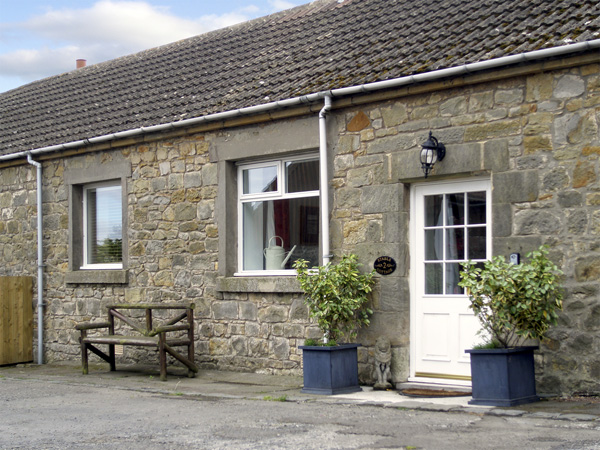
point(428, 156)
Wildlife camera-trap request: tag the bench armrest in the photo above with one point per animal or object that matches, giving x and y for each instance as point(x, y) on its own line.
point(91, 326)
point(167, 328)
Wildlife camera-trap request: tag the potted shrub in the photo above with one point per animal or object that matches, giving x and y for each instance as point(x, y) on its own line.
point(337, 298)
point(514, 303)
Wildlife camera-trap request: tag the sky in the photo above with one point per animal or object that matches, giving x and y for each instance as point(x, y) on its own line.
point(41, 38)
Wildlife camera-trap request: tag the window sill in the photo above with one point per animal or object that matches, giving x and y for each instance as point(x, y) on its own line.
point(96, 277)
point(266, 284)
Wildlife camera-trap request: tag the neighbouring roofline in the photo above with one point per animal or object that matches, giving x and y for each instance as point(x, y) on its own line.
point(465, 69)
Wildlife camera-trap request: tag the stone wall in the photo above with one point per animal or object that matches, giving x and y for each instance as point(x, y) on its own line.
point(536, 136)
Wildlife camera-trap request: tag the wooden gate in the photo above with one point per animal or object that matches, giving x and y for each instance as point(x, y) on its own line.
point(16, 320)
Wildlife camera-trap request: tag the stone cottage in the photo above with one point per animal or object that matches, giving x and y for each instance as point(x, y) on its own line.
point(164, 175)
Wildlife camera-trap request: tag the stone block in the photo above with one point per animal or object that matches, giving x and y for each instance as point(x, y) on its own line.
point(539, 87)
point(248, 311)
point(347, 198)
point(193, 179)
point(381, 198)
point(481, 101)
point(359, 122)
point(501, 220)
point(394, 294)
point(534, 221)
point(570, 199)
point(496, 155)
point(392, 144)
point(515, 244)
point(394, 115)
point(577, 222)
point(225, 310)
point(239, 345)
point(513, 187)
point(569, 86)
point(279, 348)
point(209, 174)
point(273, 314)
point(343, 162)
point(363, 176)
point(509, 96)
point(462, 158)
point(587, 268)
point(583, 174)
point(454, 107)
point(556, 179)
point(491, 130)
point(534, 144)
point(347, 144)
point(298, 310)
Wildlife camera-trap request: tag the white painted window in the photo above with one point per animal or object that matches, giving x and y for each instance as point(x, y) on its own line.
point(102, 226)
point(278, 215)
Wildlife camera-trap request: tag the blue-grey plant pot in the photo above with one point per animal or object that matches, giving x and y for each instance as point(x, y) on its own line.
point(330, 370)
point(503, 376)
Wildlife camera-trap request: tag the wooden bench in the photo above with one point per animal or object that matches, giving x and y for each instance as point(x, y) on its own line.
point(160, 337)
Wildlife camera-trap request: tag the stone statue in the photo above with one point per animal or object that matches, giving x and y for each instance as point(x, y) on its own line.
point(383, 363)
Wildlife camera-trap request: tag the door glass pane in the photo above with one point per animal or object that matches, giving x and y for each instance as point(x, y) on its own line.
point(434, 279)
point(452, 279)
point(455, 243)
point(433, 210)
point(302, 176)
point(477, 244)
point(434, 244)
point(290, 224)
point(260, 179)
point(476, 207)
point(455, 213)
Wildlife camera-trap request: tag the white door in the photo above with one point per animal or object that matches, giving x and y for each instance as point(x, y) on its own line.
point(450, 223)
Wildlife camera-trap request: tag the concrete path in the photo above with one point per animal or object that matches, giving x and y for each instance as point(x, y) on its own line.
point(259, 387)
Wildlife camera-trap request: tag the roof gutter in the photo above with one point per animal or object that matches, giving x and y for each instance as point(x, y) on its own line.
point(319, 96)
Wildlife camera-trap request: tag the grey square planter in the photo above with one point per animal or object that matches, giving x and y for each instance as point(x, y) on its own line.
point(503, 376)
point(330, 370)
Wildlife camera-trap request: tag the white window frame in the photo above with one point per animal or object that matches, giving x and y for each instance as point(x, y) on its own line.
point(280, 194)
point(103, 266)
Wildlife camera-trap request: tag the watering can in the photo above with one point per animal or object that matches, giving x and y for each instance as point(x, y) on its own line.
point(275, 255)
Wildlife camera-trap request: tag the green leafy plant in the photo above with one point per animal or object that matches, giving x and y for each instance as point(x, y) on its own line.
point(514, 302)
point(269, 398)
point(337, 296)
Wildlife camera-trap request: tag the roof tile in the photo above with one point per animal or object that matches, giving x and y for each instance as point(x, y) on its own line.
point(323, 45)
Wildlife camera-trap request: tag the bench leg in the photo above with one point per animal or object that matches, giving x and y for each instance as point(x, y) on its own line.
point(84, 354)
point(162, 356)
point(111, 357)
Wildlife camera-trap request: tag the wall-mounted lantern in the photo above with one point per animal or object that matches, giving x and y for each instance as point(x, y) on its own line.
point(432, 152)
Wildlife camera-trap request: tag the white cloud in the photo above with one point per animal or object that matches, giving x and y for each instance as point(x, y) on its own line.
point(279, 5)
point(106, 30)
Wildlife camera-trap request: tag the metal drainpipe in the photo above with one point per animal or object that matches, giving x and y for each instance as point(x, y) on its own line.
point(324, 183)
point(40, 270)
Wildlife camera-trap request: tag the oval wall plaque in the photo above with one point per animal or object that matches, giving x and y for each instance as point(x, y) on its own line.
point(384, 265)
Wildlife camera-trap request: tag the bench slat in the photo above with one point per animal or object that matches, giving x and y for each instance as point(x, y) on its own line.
point(114, 339)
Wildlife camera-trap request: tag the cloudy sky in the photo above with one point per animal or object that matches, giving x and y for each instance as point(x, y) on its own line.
point(41, 38)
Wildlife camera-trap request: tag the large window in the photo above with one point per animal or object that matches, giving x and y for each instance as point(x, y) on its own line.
point(278, 214)
point(102, 226)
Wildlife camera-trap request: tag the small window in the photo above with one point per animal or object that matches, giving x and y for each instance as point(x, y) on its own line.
point(102, 226)
point(278, 215)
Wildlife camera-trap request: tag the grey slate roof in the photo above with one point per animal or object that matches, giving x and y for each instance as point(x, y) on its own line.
point(315, 47)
